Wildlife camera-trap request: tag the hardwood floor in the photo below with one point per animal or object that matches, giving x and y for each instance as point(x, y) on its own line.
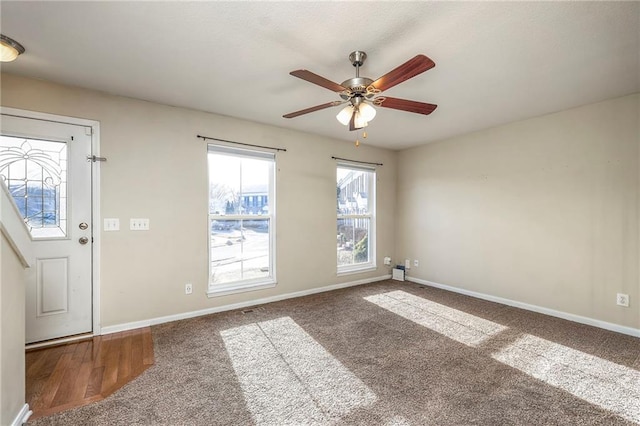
point(78, 373)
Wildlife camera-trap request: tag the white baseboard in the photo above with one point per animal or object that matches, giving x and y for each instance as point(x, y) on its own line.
point(551, 312)
point(22, 416)
point(160, 320)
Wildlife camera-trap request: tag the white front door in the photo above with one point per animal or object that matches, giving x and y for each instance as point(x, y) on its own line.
point(44, 165)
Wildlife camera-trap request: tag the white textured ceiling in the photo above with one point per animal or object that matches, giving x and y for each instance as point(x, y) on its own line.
point(495, 62)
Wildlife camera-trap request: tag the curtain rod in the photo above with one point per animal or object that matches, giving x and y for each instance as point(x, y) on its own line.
point(241, 143)
point(356, 161)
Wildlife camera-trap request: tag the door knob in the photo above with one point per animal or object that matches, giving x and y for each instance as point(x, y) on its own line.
point(83, 240)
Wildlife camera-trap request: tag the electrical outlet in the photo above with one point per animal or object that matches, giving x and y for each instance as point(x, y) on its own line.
point(416, 262)
point(407, 264)
point(188, 288)
point(622, 299)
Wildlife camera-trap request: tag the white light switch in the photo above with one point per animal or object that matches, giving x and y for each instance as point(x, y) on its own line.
point(139, 224)
point(112, 224)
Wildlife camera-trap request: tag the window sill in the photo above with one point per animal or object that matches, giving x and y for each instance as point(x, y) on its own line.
point(227, 289)
point(356, 270)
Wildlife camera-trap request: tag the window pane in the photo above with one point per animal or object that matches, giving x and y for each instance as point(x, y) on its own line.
point(353, 191)
point(239, 250)
point(224, 184)
point(35, 173)
point(238, 185)
point(255, 185)
point(255, 254)
point(353, 241)
point(226, 251)
point(345, 242)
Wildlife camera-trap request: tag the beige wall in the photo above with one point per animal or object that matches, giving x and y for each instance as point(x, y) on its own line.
point(12, 337)
point(157, 168)
point(542, 211)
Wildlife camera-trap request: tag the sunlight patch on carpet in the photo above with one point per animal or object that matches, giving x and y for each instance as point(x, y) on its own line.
point(289, 378)
point(457, 325)
point(600, 382)
point(397, 421)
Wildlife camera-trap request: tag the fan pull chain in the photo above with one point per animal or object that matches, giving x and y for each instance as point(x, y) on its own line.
point(364, 136)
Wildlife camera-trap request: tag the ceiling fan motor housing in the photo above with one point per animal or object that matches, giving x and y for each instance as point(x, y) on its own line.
point(356, 86)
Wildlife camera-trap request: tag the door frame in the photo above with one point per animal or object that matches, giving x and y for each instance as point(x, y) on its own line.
point(95, 201)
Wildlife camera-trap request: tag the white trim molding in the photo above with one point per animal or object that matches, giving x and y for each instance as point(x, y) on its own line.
point(96, 221)
point(534, 308)
point(357, 270)
point(233, 288)
point(160, 320)
point(22, 416)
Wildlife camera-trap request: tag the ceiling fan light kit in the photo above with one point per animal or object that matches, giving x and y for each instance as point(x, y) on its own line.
point(344, 116)
point(361, 93)
point(367, 111)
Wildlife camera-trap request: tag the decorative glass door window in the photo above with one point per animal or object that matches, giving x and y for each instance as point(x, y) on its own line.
point(35, 172)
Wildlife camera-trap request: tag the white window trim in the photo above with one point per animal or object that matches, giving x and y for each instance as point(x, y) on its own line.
point(217, 290)
point(358, 268)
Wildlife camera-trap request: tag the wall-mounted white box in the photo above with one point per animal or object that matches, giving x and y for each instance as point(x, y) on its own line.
point(397, 274)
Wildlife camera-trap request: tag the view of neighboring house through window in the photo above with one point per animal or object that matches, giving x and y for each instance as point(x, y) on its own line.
point(356, 218)
point(241, 212)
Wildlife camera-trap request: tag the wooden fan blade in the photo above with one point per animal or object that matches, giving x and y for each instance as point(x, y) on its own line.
point(316, 79)
point(405, 105)
point(409, 69)
point(312, 109)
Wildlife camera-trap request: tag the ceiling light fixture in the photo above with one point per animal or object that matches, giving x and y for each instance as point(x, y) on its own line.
point(344, 116)
point(361, 113)
point(9, 49)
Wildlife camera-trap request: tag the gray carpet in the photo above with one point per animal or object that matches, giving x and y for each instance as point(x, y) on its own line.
point(387, 353)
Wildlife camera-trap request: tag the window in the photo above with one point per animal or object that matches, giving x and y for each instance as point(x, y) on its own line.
point(35, 172)
point(356, 218)
point(241, 231)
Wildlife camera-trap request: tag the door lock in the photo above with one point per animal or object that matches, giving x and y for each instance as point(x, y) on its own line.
point(83, 240)
point(83, 226)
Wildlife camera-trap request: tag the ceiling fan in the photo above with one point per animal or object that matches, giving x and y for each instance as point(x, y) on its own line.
point(361, 92)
